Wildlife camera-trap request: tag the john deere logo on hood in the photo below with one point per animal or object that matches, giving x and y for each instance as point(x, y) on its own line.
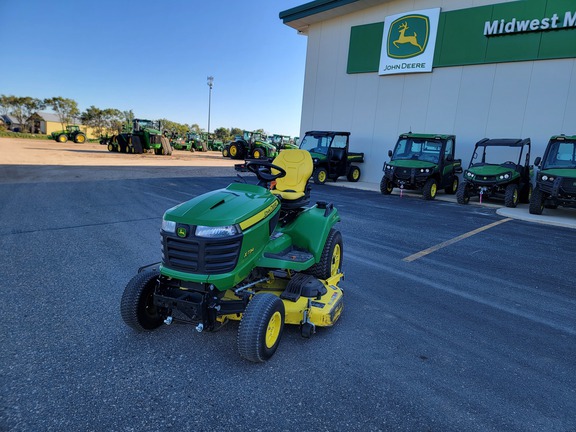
point(181, 232)
point(408, 36)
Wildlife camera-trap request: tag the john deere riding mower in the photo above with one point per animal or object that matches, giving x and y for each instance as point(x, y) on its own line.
point(72, 133)
point(258, 254)
point(503, 171)
point(556, 181)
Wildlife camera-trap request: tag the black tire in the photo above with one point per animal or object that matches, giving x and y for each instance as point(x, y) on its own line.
point(331, 259)
point(235, 151)
point(225, 152)
point(137, 307)
point(111, 148)
point(62, 138)
point(320, 175)
point(430, 189)
point(453, 188)
point(259, 154)
point(462, 194)
point(80, 138)
point(526, 193)
point(354, 174)
point(261, 328)
point(536, 202)
point(386, 186)
point(511, 195)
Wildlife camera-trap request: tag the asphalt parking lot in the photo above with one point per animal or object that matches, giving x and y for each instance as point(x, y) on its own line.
point(456, 317)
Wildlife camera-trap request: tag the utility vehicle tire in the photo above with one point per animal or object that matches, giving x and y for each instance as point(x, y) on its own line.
point(320, 175)
point(354, 174)
point(259, 154)
point(137, 307)
point(331, 259)
point(62, 138)
point(453, 188)
point(462, 195)
point(261, 327)
point(80, 138)
point(511, 195)
point(430, 188)
point(225, 152)
point(386, 186)
point(536, 202)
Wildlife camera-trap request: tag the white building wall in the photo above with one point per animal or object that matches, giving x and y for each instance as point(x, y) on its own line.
point(533, 99)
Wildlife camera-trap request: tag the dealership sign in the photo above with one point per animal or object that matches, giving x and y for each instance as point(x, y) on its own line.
point(408, 42)
point(555, 22)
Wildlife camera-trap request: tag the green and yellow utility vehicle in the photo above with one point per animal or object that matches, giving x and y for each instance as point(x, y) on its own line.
point(503, 171)
point(72, 133)
point(332, 157)
point(258, 254)
point(556, 179)
point(422, 162)
point(145, 136)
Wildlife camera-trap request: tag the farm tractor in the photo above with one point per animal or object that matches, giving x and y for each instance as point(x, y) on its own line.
point(72, 133)
point(145, 136)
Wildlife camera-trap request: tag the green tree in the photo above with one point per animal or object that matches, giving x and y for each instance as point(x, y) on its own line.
point(102, 119)
point(235, 131)
point(65, 109)
point(21, 108)
point(222, 133)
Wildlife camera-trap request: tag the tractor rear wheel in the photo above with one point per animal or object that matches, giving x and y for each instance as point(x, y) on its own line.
point(261, 327)
point(331, 259)
point(234, 151)
point(80, 138)
point(137, 305)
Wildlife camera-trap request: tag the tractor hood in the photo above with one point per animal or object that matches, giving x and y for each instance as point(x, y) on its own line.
point(489, 170)
point(411, 163)
point(233, 205)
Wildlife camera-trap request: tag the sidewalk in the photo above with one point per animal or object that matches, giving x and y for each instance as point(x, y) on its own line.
point(563, 217)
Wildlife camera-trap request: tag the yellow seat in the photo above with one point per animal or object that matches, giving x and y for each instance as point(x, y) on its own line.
point(298, 166)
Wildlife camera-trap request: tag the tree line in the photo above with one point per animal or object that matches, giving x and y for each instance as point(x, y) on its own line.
point(103, 121)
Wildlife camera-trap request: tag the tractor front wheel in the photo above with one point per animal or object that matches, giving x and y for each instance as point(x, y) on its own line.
point(320, 175)
point(511, 195)
point(386, 186)
point(261, 327)
point(62, 138)
point(430, 189)
point(225, 152)
point(137, 305)
point(258, 154)
point(331, 259)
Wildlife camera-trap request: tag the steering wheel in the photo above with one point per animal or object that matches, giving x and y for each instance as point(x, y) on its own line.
point(262, 169)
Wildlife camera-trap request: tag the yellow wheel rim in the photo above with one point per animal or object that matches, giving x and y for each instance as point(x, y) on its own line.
point(233, 151)
point(455, 185)
point(515, 197)
point(356, 174)
point(80, 138)
point(62, 138)
point(336, 257)
point(322, 176)
point(256, 154)
point(273, 329)
point(433, 190)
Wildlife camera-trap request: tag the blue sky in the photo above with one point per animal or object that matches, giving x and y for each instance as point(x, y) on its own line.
point(154, 57)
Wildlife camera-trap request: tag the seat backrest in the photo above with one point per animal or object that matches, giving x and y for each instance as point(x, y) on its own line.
point(298, 166)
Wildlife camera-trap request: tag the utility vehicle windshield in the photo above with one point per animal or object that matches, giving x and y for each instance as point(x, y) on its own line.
point(316, 143)
point(496, 155)
point(561, 154)
point(418, 149)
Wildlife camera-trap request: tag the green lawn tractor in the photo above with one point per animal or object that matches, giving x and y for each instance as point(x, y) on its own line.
point(556, 180)
point(254, 253)
point(72, 133)
point(422, 162)
point(503, 171)
point(331, 156)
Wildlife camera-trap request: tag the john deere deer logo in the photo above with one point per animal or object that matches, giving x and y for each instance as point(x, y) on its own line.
point(403, 44)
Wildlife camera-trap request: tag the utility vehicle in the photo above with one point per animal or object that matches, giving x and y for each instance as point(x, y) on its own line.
point(423, 162)
point(556, 180)
point(332, 156)
point(503, 171)
point(72, 133)
point(258, 254)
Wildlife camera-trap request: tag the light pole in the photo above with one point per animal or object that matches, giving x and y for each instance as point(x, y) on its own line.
point(210, 83)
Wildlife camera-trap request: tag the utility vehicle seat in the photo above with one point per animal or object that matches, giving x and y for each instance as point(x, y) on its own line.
point(298, 166)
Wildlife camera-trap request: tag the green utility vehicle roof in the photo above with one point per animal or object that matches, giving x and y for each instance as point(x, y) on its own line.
point(506, 142)
point(426, 136)
point(564, 137)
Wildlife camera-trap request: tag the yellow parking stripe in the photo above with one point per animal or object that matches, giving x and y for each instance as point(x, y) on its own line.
point(452, 241)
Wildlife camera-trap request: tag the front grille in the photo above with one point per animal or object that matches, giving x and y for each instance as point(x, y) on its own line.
point(485, 179)
point(569, 185)
point(201, 255)
point(403, 173)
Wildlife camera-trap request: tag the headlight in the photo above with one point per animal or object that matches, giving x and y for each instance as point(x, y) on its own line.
point(216, 232)
point(469, 174)
point(427, 170)
point(315, 161)
point(544, 177)
point(506, 176)
point(168, 226)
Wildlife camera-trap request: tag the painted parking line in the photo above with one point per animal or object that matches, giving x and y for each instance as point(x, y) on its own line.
point(439, 246)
